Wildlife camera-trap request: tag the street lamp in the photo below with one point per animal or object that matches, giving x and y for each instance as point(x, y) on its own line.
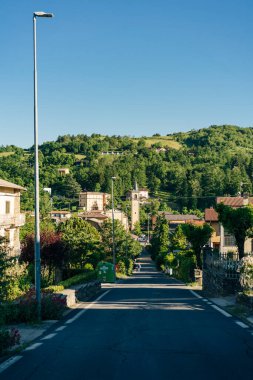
point(113, 241)
point(36, 168)
point(148, 228)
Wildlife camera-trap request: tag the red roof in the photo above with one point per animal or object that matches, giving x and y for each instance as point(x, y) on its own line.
point(235, 201)
point(211, 215)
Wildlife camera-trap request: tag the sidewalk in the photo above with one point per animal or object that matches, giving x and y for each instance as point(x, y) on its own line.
point(227, 303)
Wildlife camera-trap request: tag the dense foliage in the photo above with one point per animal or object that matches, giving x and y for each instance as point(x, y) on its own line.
point(199, 166)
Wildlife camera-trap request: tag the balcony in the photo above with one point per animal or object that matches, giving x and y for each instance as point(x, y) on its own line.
point(12, 220)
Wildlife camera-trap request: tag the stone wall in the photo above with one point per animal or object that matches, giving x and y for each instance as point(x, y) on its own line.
point(215, 284)
point(80, 292)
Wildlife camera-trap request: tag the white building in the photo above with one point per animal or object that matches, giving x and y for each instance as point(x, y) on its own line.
point(10, 217)
point(93, 201)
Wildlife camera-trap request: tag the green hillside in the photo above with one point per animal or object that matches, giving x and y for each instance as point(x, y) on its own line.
point(193, 168)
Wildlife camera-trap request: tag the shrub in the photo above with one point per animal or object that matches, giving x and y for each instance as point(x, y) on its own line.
point(186, 265)
point(8, 338)
point(79, 279)
point(121, 267)
point(25, 309)
point(246, 273)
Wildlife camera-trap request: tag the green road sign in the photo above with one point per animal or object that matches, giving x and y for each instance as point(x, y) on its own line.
point(105, 272)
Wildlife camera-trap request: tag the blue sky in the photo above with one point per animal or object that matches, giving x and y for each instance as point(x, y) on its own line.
point(125, 67)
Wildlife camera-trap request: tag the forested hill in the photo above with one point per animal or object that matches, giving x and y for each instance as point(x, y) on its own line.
point(188, 169)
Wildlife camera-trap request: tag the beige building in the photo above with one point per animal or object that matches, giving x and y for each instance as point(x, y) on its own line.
point(63, 171)
point(119, 215)
point(60, 216)
point(10, 217)
point(96, 218)
point(93, 201)
point(222, 239)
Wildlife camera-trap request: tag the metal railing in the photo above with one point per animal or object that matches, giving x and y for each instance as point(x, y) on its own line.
point(225, 264)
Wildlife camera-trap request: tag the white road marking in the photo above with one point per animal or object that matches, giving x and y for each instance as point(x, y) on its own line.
point(9, 362)
point(49, 336)
point(209, 303)
point(196, 294)
point(221, 311)
point(33, 346)
point(61, 328)
point(243, 325)
point(204, 299)
point(86, 308)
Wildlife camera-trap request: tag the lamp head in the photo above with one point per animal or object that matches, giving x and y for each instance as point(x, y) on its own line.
point(43, 14)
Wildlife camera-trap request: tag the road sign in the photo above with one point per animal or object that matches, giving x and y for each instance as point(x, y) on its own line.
point(105, 272)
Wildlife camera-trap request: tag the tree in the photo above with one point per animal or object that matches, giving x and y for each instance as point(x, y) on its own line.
point(160, 238)
point(238, 222)
point(52, 252)
point(81, 241)
point(137, 228)
point(178, 239)
point(125, 246)
point(197, 236)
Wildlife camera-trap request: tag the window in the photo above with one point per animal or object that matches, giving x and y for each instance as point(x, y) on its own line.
point(7, 207)
point(229, 240)
point(94, 206)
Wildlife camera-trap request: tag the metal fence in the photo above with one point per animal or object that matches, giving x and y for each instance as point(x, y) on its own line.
point(225, 265)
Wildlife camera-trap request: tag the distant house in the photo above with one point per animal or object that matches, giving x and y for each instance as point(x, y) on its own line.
point(93, 201)
point(11, 218)
point(96, 218)
point(63, 171)
point(235, 201)
point(143, 194)
point(174, 220)
point(211, 217)
point(119, 215)
point(60, 216)
point(222, 239)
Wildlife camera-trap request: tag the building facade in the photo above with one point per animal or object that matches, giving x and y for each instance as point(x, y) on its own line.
point(222, 239)
point(11, 218)
point(93, 201)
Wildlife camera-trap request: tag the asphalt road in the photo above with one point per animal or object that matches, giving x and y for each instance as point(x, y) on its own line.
point(146, 327)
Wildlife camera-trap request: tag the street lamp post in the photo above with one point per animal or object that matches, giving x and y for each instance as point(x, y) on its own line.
point(113, 240)
point(148, 228)
point(36, 167)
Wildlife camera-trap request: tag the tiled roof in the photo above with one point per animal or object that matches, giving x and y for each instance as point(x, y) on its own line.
point(178, 217)
point(60, 212)
point(211, 215)
point(4, 183)
point(235, 201)
point(96, 215)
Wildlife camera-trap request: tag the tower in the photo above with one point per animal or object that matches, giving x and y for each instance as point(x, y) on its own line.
point(135, 205)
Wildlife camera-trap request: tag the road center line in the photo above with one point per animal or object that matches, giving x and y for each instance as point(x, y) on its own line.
point(49, 336)
point(60, 328)
point(196, 294)
point(221, 311)
point(78, 315)
point(9, 362)
point(33, 346)
point(243, 325)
